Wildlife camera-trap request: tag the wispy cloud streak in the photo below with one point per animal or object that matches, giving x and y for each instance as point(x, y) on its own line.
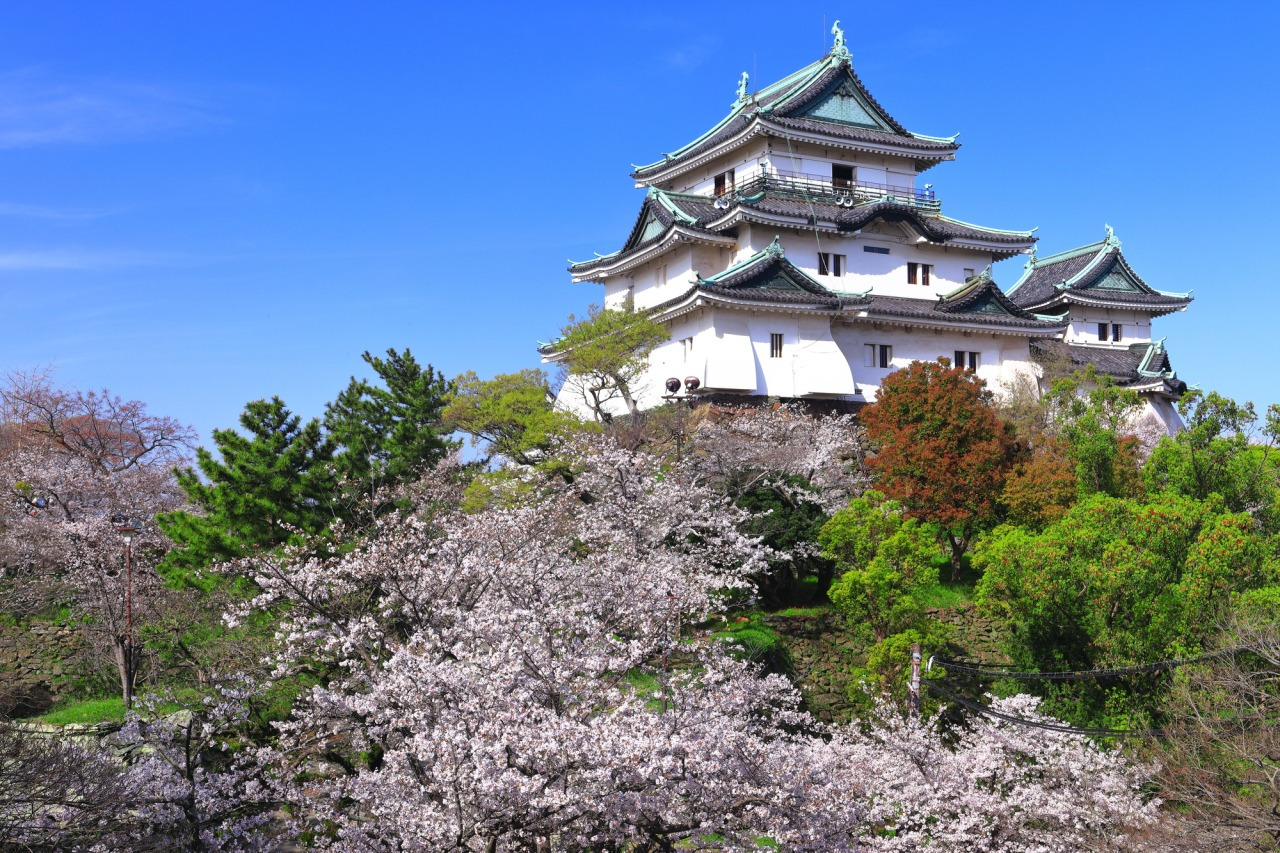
point(38, 110)
point(54, 214)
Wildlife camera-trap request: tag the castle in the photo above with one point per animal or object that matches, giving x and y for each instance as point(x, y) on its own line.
point(793, 252)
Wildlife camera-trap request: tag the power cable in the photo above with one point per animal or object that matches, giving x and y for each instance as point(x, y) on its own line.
point(1081, 675)
point(1035, 724)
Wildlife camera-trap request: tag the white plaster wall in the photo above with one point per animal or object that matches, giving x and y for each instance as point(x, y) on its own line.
point(745, 162)
point(886, 275)
point(1002, 358)
point(1083, 327)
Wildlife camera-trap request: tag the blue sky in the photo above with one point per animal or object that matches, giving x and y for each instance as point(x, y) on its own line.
point(200, 206)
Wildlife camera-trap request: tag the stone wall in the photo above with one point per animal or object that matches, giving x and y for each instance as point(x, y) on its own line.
point(34, 662)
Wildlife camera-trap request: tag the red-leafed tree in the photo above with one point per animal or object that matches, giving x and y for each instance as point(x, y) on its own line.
point(943, 451)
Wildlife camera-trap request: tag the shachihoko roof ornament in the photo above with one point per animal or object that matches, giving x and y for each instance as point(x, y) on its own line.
point(743, 97)
point(839, 49)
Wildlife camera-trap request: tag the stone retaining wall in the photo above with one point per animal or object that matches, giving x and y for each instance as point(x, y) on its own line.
point(34, 659)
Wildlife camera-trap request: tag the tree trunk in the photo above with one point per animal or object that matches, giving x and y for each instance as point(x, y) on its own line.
point(124, 668)
point(959, 544)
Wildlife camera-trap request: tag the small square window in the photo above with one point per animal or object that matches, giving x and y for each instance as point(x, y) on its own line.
point(968, 273)
point(966, 360)
point(1117, 332)
point(724, 182)
point(841, 176)
point(775, 345)
point(878, 355)
point(1102, 331)
point(830, 264)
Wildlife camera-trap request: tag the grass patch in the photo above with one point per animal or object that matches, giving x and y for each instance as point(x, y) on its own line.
point(946, 596)
point(755, 641)
point(815, 610)
point(86, 711)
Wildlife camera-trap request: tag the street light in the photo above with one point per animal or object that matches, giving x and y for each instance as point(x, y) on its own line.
point(128, 528)
point(691, 384)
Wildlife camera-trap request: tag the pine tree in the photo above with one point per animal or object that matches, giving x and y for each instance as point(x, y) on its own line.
point(388, 435)
point(268, 485)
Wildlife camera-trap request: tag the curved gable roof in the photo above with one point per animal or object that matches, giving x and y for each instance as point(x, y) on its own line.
point(1096, 274)
point(825, 97)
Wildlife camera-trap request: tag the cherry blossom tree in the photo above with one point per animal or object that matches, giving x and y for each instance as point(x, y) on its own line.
point(530, 677)
point(72, 466)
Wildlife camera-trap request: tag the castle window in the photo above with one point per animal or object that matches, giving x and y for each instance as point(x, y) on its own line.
point(918, 273)
point(660, 275)
point(968, 273)
point(1102, 331)
point(1116, 332)
point(687, 345)
point(876, 250)
point(966, 360)
point(830, 264)
point(841, 176)
point(878, 355)
point(775, 345)
point(724, 182)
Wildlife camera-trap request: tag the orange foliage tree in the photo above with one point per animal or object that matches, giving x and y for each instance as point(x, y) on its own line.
point(943, 451)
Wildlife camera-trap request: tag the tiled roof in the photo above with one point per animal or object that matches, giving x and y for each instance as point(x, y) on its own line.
point(666, 210)
point(698, 211)
point(790, 103)
point(766, 277)
point(923, 309)
point(1136, 364)
point(938, 228)
point(1097, 273)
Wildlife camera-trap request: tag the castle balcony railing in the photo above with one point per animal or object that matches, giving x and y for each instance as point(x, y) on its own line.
point(833, 190)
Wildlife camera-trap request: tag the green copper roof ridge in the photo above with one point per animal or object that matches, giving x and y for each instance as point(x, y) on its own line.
point(598, 257)
point(661, 197)
point(1034, 263)
point(794, 75)
point(951, 139)
point(774, 249)
point(669, 156)
point(1154, 348)
point(820, 67)
point(977, 281)
point(738, 109)
point(857, 294)
point(955, 221)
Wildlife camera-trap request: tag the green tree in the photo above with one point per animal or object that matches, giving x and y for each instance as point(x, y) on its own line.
point(886, 563)
point(605, 353)
point(1118, 582)
point(884, 558)
point(265, 487)
point(1222, 451)
point(1092, 416)
point(388, 434)
point(511, 414)
point(943, 451)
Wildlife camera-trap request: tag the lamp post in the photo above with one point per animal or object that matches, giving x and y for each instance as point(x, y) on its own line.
point(128, 528)
point(691, 384)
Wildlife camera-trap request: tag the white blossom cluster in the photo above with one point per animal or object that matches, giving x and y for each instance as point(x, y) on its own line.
point(526, 677)
point(535, 676)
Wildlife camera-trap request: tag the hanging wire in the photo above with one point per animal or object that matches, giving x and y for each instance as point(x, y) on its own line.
point(1035, 724)
point(1081, 675)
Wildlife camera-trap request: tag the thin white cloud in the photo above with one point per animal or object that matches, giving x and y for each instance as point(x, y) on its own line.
point(57, 214)
point(75, 259)
point(690, 54)
point(39, 110)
